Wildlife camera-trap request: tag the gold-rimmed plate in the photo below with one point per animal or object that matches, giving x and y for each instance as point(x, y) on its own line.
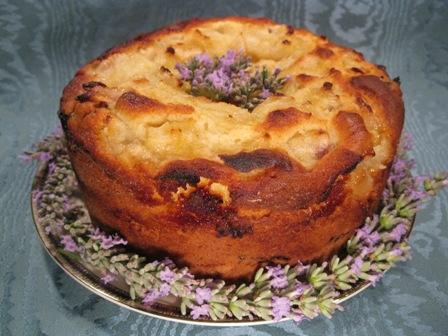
point(117, 291)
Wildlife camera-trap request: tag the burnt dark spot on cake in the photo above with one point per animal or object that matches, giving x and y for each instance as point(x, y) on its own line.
point(202, 208)
point(332, 197)
point(170, 50)
point(371, 83)
point(327, 86)
point(64, 120)
point(304, 77)
point(361, 103)
point(382, 91)
point(164, 69)
point(357, 70)
point(260, 158)
point(234, 230)
point(286, 42)
point(397, 80)
point(182, 176)
point(289, 30)
point(334, 72)
point(321, 152)
point(84, 97)
point(201, 203)
point(92, 84)
point(279, 119)
point(136, 101)
point(101, 104)
point(324, 52)
point(132, 102)
point(353, 133)
point(273, 261)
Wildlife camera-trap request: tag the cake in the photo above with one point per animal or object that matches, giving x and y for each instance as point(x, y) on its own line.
point(225, 187)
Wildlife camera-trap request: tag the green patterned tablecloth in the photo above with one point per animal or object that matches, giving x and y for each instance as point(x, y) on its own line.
point(43, 42)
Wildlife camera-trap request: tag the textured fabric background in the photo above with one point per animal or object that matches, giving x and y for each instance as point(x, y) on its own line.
point(43, 42)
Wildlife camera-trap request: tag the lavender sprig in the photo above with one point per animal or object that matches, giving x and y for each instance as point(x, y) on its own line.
point(230, 79)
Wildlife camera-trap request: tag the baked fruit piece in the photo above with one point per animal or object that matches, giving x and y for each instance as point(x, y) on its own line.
point(218, 188)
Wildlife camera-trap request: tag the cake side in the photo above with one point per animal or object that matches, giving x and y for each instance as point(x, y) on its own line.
point(218, 188)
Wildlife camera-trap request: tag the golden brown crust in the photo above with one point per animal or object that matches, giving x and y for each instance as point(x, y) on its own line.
point(218, 188)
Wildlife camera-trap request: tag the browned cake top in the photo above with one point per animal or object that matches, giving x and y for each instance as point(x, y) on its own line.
point(337, 114)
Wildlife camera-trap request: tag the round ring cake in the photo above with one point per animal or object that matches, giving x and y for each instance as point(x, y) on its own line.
point(230, 143)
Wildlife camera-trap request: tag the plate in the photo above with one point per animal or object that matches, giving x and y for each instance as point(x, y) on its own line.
point(116, 291)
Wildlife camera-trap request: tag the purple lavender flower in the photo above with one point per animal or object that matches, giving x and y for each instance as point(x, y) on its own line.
point(47, 229)
point(219, 80)
point(398, 171)
point(185, 73)
point(445, 182)
point(279, 282)
point(25, 157)
point(198, 311)
point(198, 78)
point(363, 232)
point(69, 243)
point(372, 238)
point(420, 179)
point(111, 241)
point(356, 266)
point(297, 315)
point(43, 156)
point(301, 268)
point(59, 225)
point(396, 252)
point(167, 275)
point(203, 295)
point(51, 168)
point(386, 194)
point(278, 277)
point(366, 250)
point(367, 233)
point(398, 232)
point(57, 228)
point(406, 142)
point(242, 77)
point(66, 203)
point(281, 307)
point(416, 195)
point(108, 277)
point(107, 241)
point(265, 93)
point(228, 60)
point(150, 297)
point(374, 278)
point(205, 60)
point(167, 261)
point(300, 288)
point(37, 196)
point(154, 294)
point(164, 289)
